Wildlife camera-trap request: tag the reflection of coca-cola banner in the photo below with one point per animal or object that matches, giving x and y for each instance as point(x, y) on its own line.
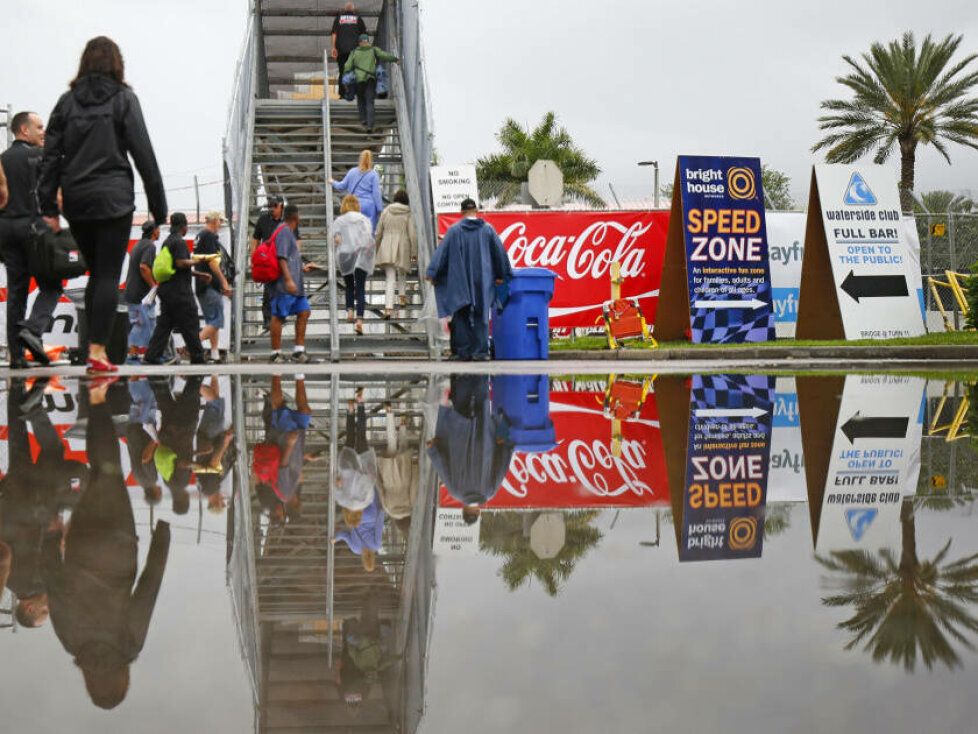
point(583, 471)
point(580, 248)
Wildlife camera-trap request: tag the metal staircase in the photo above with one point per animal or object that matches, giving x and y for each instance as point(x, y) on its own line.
point(288, 133)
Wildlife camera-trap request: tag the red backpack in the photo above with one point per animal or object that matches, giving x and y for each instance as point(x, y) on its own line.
point(264, 260)
point(265, 463)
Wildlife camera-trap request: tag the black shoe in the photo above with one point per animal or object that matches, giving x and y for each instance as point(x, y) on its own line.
point(18, 363)
point(29, 340)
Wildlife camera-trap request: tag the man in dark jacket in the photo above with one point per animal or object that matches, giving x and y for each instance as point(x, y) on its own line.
point(21, 163)
point(33, 493)
point(348, 26)
point(465, 270)
point(99, 617)
point(178, 309)
point(139, 282)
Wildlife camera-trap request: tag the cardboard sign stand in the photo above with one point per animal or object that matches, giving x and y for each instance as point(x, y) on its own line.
point(672, 319)
point(819, 399)
point(672, 396)
point(819, 315)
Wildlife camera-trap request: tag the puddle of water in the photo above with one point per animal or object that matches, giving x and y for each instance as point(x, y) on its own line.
point(474, 552)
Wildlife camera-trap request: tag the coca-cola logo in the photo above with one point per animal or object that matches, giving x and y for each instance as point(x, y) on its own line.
point(585, 255)
point(589, 465)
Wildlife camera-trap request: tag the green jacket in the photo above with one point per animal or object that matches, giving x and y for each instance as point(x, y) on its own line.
point(364, 60)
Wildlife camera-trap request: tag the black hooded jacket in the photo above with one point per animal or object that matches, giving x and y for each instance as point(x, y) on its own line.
point(92, 129)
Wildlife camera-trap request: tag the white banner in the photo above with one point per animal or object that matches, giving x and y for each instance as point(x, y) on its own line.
point(451, 185)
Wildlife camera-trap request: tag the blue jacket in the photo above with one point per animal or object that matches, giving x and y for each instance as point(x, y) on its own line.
point(465, 268)
point(366, 187)
point(370, 531)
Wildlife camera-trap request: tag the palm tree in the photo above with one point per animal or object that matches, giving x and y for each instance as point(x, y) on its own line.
point(777, 519)
point(503, 534)
point(501, 175)
point(945, 202)
point(902, 96)
point(902, 605)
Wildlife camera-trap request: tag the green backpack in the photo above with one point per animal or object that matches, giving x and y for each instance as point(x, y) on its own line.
point(163, 268)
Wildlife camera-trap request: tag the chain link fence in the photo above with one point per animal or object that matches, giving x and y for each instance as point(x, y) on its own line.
point(948, 242)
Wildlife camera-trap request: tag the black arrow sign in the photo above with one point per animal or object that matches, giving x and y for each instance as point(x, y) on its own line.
point(859, 427)
point(874, 286)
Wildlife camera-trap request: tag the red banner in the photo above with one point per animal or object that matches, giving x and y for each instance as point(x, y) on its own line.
point(583, 471)
point(580, 248)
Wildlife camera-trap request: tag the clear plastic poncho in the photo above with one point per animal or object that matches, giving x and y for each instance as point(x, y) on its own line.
point(356, 248)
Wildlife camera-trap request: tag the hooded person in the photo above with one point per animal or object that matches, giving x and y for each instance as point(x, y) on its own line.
point(99, 611)
point(93, 131)
point(471, 451)
point(465, 270)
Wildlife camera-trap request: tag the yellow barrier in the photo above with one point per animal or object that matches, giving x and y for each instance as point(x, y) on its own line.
point(957, 290)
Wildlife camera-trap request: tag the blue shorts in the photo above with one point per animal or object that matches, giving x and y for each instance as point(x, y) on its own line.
point(284, 305)
point(212, 307)
point(142, 321)
point(286, 419)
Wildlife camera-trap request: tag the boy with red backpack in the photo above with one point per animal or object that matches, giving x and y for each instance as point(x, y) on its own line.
point(287, 293)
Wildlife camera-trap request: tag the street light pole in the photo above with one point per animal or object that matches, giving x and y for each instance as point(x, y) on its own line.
point(655, 166)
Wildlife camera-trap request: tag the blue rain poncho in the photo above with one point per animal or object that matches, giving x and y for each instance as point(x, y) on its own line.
point(465, 268)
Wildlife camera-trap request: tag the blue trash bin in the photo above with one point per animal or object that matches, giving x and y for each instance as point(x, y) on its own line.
point(522, 329)
point(525, 402)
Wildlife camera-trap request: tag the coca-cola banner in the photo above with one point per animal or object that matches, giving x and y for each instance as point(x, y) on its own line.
point(608, 453)
point(580, 248)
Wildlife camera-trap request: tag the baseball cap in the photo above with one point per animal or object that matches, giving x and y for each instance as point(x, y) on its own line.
point(469, 205)
point(274, 200)
point(364, 38)
point(149, 226)
point(214, 215)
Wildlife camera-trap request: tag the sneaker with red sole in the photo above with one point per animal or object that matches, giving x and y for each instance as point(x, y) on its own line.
point(100, 367)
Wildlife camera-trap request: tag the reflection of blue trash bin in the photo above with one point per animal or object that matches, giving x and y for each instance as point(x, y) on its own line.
point(525, 401)
point(522, 330)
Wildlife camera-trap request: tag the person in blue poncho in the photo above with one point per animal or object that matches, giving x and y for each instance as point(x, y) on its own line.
point(364, 183)
point(465, 270)
point(471, 450)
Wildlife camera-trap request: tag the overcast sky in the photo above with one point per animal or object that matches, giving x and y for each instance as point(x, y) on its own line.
point(630, 80)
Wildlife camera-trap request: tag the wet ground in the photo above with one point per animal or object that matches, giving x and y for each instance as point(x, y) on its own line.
point(527, 553)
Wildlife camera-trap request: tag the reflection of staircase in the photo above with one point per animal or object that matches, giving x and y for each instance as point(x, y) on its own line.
point(298, 137)
point(307, 588)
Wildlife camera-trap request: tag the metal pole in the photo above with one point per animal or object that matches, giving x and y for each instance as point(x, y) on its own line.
point(197, 196)
point(614, 195)
point(656, 193)
point(334, 424)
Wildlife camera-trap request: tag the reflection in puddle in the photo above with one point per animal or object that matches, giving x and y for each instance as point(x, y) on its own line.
point(333, 509)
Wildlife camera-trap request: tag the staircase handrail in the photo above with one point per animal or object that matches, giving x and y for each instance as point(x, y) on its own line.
point(331, 285)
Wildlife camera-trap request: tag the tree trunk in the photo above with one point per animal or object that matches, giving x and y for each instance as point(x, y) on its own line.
point(908, 160)
point(908, 555)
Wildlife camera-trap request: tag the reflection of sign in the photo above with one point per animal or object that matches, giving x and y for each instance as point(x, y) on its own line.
point(584, 470)
point(451, 185)
point(452, 536)
point(939, 229)
point(580, 248)
point(860, 275)
point(718, 284)
point(873, 434)
point(727, 467)
point(786, 480)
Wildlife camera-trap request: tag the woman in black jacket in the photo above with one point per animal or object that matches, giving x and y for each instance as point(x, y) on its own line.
point(95, 126)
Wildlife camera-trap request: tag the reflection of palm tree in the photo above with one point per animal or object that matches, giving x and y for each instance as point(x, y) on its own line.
point(777, 519)
point(902, 604)
point(503, 534)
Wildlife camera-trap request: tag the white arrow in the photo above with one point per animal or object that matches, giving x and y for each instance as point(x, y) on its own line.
point(752, 303)
point(730, 413)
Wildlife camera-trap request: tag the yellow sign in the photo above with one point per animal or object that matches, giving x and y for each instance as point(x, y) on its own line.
point(938, 482)
point(939, 229)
